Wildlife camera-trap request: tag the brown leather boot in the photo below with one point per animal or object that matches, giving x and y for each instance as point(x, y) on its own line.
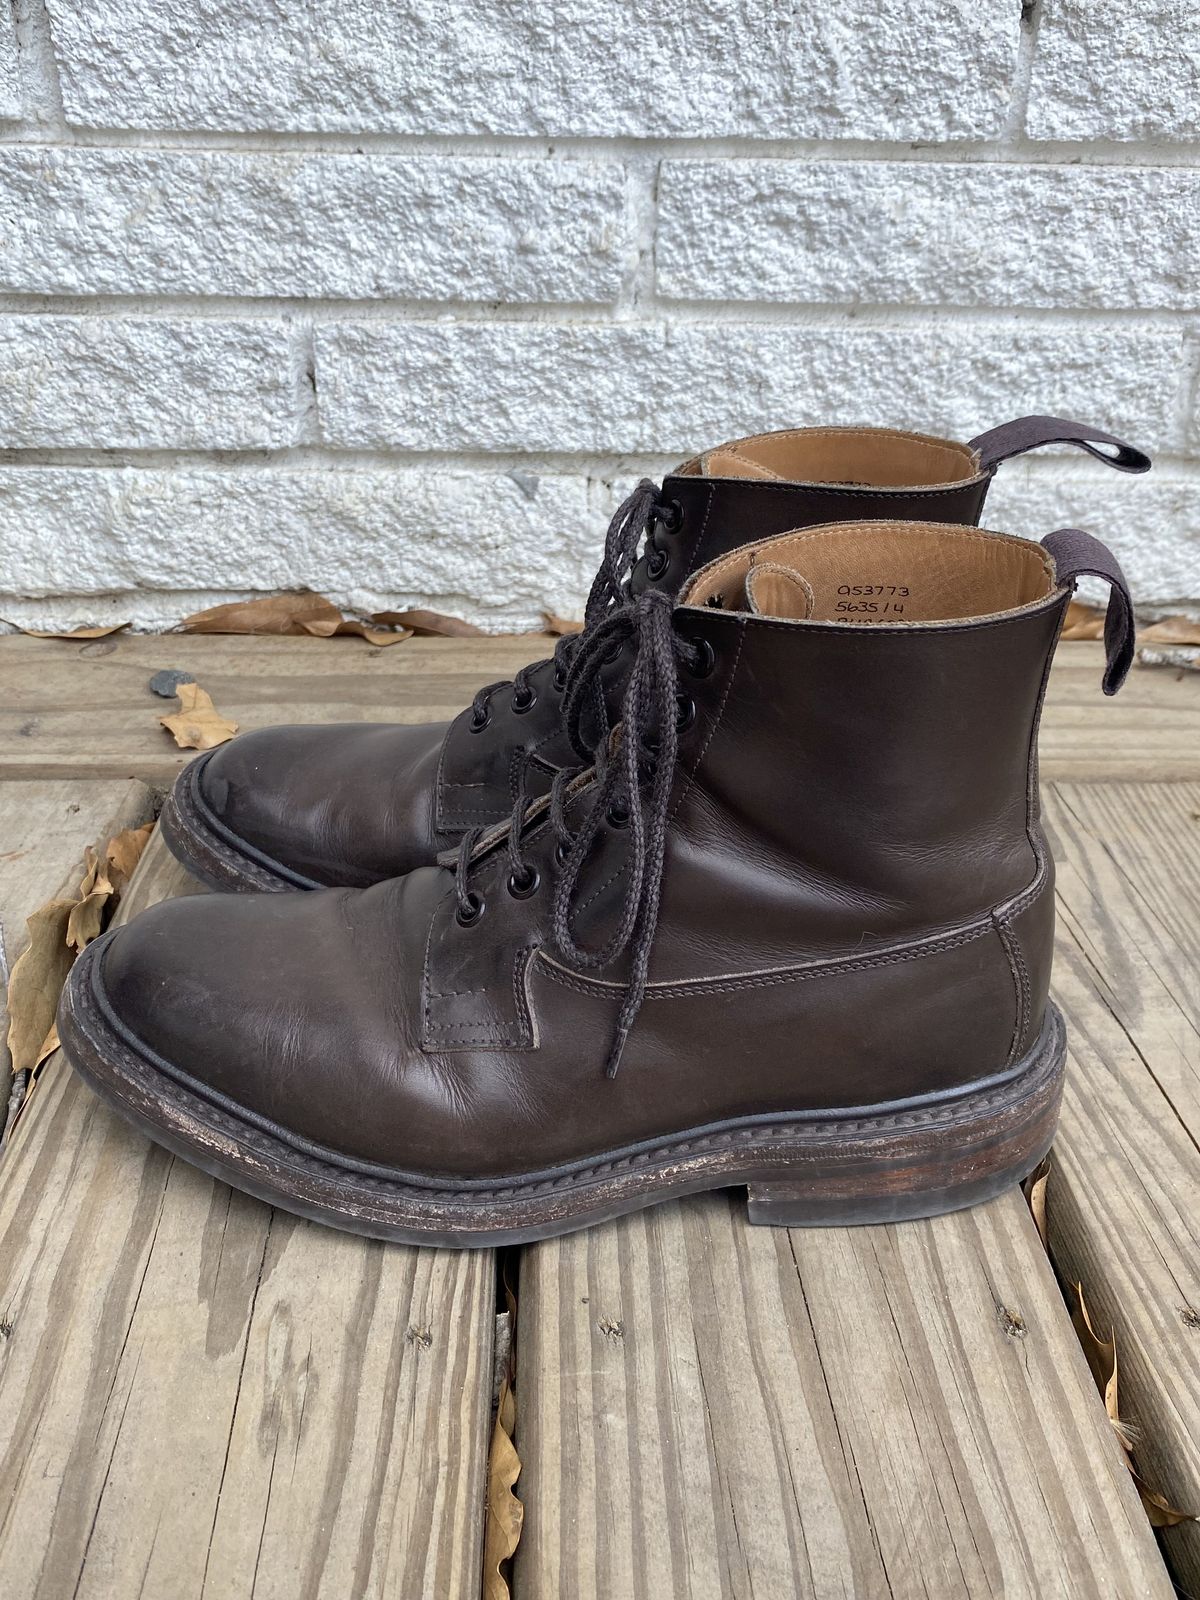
point(301, 807)
point(787, 927)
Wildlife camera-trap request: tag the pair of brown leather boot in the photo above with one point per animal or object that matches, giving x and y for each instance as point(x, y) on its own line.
point(745, 886)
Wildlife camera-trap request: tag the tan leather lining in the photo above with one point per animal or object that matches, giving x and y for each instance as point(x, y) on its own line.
point(880, 573)
point(880, 458)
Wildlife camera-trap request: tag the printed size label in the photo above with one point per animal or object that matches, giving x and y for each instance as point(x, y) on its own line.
point(872, 602)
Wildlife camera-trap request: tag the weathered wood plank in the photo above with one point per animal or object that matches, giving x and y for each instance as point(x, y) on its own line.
point(1124, 1196)
point(44, 826)
point(707, 1408)
point(202, 1397)
point(85, 709)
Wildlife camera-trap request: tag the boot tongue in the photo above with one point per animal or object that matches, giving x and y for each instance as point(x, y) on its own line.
point(773, 590)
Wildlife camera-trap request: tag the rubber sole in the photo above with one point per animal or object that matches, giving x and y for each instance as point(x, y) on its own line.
point(883, 1164)
point(198, 839)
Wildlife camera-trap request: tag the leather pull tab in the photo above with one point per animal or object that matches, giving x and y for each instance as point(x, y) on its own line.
point(1028, 433)
point(1077, 555)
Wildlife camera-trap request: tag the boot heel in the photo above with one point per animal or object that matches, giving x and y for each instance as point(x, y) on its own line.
point(889, 1167)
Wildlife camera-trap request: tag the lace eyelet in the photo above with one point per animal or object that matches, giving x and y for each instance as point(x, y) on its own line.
point(617, 816)
point(559, 680)
point(522, 888)
point(479, 721)
point(707, 658)
point(685, 712)
point(524, 701)
point(669, 516)
point(562, 851)
point(657, 562)
point(467, 918)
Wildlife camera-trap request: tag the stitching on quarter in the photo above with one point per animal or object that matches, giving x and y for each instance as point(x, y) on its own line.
point(767, 980)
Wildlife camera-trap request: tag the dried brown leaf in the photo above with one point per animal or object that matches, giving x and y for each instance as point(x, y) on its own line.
point(75, 633)
point(36, 982)
point(560, 625)
point(95, 892)
point(1101, 1354)
point(423, 622)
point(124, 851)
point(375, 636)
point(1035, 1194)
point(1083, 622)
point(197, 725)
point(505, 1513)
point(269, 614)
point(1161, 1512)
point(1171, 630)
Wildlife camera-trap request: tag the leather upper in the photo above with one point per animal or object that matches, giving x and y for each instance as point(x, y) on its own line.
point(856, 908)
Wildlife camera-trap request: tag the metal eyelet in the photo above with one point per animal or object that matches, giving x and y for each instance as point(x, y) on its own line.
point(522, 888)
point(524, 700)
point(480, 721)
point(657, 562)
point(559, 680)
point(562, 852)
point(617, 816)
point(707, 658)
point(468, 918)
point(685, 712)
point(669, 516)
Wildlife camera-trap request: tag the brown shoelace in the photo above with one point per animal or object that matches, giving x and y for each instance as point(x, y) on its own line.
point(632, 771)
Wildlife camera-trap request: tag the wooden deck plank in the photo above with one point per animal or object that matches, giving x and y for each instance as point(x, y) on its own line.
point(85, 709)
point(1124, 1196)
point(202, 1397)
point(44, 826)
point(710, 1408)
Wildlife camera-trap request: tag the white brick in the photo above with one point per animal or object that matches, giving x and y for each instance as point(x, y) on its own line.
point(144, 383)
point(481, 545)
point(363, 227)
point(929, 234)
point(861, 69)
point(1151, 523)
point(1116, 69)
point(671, 390)
point(10, 72)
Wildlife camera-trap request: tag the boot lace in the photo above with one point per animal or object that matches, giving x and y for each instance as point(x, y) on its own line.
point(632, 769)
point(639, 513)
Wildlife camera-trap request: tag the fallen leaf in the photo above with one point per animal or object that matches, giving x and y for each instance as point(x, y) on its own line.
point(375, 636)
point(87, 914)
point(294, 615)
point(433, 623)
point(560, 625)
point(36, 982)
point(1162, 1513)
point(505, 1514)
point(197, 725)
point(123, 853)
point(1171, 630)
point(1035, 1194)
point(74, 633)
point(1101, 1354)
point(1083, 622)
point(271, 613)
point(50, 1044)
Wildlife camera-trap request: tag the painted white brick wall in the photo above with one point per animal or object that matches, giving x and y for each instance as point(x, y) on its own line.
point(394, 300)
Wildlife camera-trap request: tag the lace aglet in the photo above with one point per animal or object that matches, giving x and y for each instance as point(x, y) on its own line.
point(614, 1054)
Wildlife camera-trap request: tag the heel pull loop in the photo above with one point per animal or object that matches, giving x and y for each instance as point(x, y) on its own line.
point(1077, 554)
point(1029, 433)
